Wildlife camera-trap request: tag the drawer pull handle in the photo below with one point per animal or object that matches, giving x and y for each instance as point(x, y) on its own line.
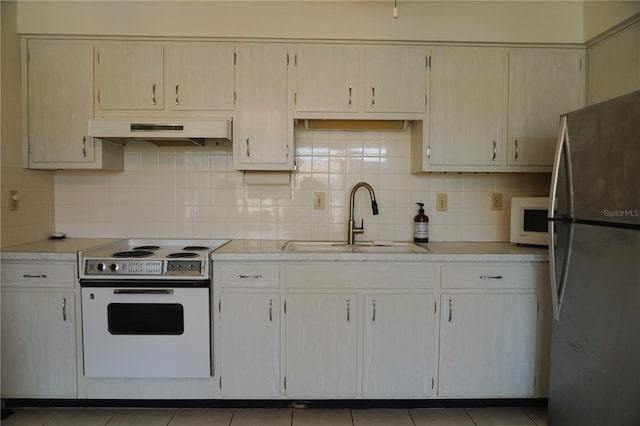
point(270, 310)
point(64, 309)
point(139, 291)
point(348, 310)
point(450, 309)
point(250, 277)
point(490, 277)
point(495, 151)
point(34, 276)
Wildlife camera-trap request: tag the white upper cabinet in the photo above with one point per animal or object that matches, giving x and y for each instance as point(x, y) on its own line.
point(58, 99)
point(614, 65)
point(395, 79)
point(199, 76)
point(155, 76)
point(496, 109)
point(543, 84)
point(468, 106)
point(347, 81)
point(129, 76)
point(263, 127)
point(327, 78)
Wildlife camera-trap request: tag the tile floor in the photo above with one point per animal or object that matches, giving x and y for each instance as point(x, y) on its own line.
point(529, 416)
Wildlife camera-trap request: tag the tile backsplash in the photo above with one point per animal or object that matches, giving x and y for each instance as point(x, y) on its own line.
point(195, 193)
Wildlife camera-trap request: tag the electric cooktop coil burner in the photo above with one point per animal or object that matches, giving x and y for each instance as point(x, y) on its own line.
point(195, 248)
point(147, 248)
point(133, 253)
point(185, 254)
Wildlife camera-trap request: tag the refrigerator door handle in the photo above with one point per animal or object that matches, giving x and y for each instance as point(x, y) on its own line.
point(553, 191)
point(558, 286)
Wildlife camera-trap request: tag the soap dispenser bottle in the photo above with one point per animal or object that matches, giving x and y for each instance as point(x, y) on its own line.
point(421, 226)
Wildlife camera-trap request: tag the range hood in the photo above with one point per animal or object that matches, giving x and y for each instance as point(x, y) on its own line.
point(161, 131)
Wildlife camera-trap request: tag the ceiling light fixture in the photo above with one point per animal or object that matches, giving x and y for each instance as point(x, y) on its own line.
point(395, 9)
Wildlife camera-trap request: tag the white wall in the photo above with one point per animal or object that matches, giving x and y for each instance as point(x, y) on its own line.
point(484, 21)
point(599, 16)
point(34, 220)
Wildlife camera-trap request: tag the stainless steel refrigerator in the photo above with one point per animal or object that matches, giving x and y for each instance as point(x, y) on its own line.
point(594, 254)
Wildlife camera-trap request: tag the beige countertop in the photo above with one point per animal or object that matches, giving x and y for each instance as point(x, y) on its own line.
point(438, 251)
point(65, 249)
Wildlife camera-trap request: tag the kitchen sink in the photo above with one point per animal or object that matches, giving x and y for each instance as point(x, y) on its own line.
point(360, 247)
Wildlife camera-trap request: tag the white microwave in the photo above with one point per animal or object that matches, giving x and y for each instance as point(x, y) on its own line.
point(529, 220)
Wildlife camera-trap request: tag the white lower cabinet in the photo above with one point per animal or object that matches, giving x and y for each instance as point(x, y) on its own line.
point(399, 346)
point(39, 344)
point(321, 345)
point(250, 328)
point(487, 345)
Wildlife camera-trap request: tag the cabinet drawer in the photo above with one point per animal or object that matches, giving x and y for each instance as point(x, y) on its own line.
point(407, 275)
point(38, 274)
point(490, 275)
point(250, 275)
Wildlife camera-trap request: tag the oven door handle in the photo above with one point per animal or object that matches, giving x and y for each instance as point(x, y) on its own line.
point(141, 291)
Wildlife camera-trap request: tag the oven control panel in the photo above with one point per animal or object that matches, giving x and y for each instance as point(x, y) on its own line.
point(123, 267)
point(184, 267)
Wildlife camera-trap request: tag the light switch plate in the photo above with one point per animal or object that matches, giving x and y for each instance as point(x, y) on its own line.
point(318, 200)
point(496, 201)
point(13, 199)
point(441, 202)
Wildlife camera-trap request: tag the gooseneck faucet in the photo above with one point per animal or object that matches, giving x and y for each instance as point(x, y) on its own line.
point(353, 229)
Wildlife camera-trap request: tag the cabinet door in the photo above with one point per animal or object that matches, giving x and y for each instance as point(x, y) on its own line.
point(614, 66)
point(327, 78)
point(262, 129)
point(199, 76)
point(487, 345)
point(468, 106)
point(395, 79)
point(38, 344)
point(250, 345)
point(129, 76)
point(399, 342)
point(543, 84)
point(321, 345)
point(60, 101)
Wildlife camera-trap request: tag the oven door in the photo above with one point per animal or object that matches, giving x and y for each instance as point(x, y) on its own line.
point(145, 330)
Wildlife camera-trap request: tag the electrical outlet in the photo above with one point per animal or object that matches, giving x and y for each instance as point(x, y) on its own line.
point(496, 201)
point(441, 202)
point(318, 200)
point(13, 199)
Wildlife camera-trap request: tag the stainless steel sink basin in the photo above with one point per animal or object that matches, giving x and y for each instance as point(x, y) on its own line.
point(360, 247)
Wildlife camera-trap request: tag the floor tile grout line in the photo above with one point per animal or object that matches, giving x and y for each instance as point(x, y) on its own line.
point(411, 417)
point(466, 411)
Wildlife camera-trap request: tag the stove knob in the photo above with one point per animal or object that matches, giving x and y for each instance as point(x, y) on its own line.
point(101, 267)
point(113, 267)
